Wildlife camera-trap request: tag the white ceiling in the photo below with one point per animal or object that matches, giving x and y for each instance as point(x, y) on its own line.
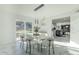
point(46, 11)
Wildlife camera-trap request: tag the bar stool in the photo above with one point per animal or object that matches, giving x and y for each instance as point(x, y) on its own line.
point(41, 44)
point(28, 46)
point(49, 44)
point(22, 42)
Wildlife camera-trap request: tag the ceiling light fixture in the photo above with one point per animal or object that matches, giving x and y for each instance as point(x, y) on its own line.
point(38, 7)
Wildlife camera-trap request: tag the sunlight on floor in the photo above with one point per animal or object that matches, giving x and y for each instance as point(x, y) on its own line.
point(71, 44)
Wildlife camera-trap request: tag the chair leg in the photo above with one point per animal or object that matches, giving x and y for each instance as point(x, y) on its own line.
point(53, 49)
point(26, 47)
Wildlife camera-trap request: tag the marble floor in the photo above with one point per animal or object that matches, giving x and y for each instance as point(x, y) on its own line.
point(63, 47)
point(17, 49)
point(58, 50)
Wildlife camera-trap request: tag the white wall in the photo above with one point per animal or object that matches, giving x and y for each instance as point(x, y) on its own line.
point(7, 24)
point(75, 28)
point(7, 31)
